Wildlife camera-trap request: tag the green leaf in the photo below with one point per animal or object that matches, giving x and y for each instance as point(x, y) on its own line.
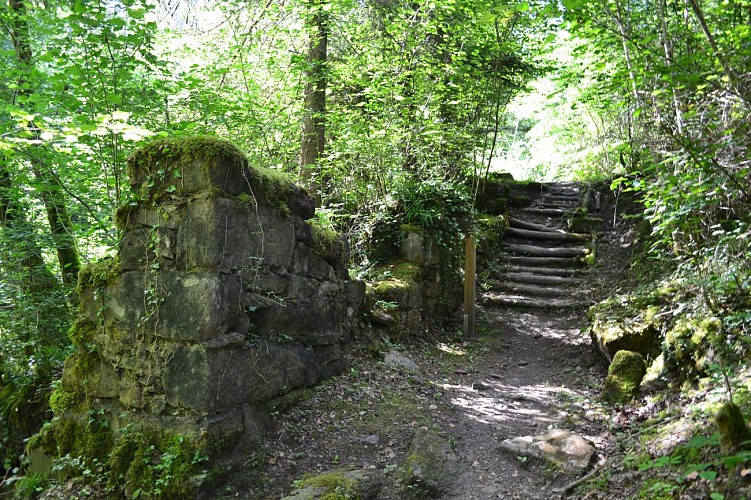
point(709, 475)
point(716, 496)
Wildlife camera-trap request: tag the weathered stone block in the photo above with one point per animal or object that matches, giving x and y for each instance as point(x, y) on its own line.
point(303, 232)
point(238, 375)
point(196, 164)
point(143, 247)
point(176, 305)
point(308, 264)
point(419, 249)
point(186, 378)
point(225, 233)
point(174, 167)
point(311, 313)
point(166, 215)
point(224, 431)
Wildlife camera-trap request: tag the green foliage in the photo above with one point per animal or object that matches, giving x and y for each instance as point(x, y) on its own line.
point(135, 463)
point(147, 465)
point(435, 206)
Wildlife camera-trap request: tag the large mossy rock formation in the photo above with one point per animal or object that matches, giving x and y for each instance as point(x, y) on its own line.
point(626, 323)
point(223, 297)
point(624, 377)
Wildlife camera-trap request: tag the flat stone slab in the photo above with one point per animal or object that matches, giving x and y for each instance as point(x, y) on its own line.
point(567, 450)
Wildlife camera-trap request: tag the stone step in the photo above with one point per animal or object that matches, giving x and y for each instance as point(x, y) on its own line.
point(522, 260)
point(545, 271)
point(529, 290)
point(573, 198)
point(556, 205)
point(537, 251)
point(502, 300)
point(546, 211)
point(539, 279)
point(545, 235)
point(531, 226)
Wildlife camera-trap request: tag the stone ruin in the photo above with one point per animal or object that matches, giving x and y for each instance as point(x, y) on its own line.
point(224, 295)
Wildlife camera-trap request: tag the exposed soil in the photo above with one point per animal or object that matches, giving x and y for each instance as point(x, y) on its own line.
point(524, 373)
point(536, 371)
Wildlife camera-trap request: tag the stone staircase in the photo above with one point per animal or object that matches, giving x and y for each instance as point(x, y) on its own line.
point(542, 262)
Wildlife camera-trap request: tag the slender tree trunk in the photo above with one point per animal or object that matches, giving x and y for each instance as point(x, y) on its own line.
point(618, 19)
point(50, 189)
point(696, 8)
point(667, 46)
point(314, 115)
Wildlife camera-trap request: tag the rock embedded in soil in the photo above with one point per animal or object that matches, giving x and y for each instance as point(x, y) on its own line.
point(399, 361)
point(360, 484)
point(569, 451)
point(431, 463)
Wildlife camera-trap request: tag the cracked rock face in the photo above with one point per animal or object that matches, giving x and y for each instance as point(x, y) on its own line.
point(567, 450)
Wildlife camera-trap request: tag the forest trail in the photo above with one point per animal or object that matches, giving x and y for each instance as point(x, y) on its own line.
point(529, 370)
point(541, 373)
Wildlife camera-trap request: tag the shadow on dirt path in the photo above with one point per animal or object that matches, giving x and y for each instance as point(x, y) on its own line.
point(540, 374)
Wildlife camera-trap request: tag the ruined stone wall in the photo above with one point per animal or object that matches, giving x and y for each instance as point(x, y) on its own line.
point(223, 296)
point(419, 288)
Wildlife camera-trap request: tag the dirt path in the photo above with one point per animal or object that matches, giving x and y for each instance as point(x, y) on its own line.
point(528, 371)
point(541, 374)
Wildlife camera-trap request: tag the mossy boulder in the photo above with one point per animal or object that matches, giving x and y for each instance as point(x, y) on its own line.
point(734, 431)
point(337, 485)
point(689, 346)
point(178, 166)
point(430, 464)
point(624, 376)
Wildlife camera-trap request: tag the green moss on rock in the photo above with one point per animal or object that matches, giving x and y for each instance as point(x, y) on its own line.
point(337, 486)
point(689, 344)
point(162, 159)
point(62, 400)
point(156, 464)
point(326, 241)
point(734, 431)
point(98, 274)
point(82, 331)
point(626, 322)
point(624, 377)
point(175, 167)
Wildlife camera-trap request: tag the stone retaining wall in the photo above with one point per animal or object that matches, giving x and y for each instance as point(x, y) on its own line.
point(223, 297)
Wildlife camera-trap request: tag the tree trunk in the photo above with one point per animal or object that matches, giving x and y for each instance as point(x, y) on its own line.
point(50, 189)
point(314, 114)
point(711, 40)
point(667, 46)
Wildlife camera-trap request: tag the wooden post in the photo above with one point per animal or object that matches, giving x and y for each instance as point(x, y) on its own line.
point(469, 286)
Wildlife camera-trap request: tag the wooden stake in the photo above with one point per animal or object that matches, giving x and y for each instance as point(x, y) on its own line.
point(469, 286)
